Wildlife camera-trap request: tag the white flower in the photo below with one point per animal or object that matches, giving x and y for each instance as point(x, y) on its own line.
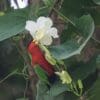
point(42, 30)
point(13, 4)
point(19, 4)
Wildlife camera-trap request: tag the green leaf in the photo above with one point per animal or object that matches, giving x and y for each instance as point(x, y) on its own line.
point(41, 90)
point(72, 8)
point(65, 50)
point(58, 88)
point(98, 61)
point(96, 15)
point(22, 99)
point(48, 2)
point(63, 96)
point(13, 23)
point(97, 2)
point(57, 92)
point(83, 70)
point(43, 93)
point(94, 92)
point(85, 26)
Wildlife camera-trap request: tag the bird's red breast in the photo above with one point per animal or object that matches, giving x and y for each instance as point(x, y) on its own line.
point(39, 58)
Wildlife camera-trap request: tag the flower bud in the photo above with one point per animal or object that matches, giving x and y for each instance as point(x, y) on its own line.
point(80, 84)
point(65, 77)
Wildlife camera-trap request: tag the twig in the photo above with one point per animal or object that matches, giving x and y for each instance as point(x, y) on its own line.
point(57, 5)
point(9, 75)
point(30, 70)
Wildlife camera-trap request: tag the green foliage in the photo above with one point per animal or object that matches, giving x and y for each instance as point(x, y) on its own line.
point(83, 70)
point(96, 15)
point(22, 99)
point(48, 3)
point(41, 74)
point(57, 92)
point(85, 26)
point(97, 1)
point(72, 9)
point(41, 90)
point(13, 23)
point(98, 61)
point(58, 88)
point(81, 17)
point(94, 92)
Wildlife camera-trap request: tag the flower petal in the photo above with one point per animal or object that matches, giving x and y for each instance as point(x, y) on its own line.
point(13, 4)
point(57, 73)
point(44, 22)
point(53, 32)
point(40, 19)
point(46, 40)
point(39, 35)
point(22, 3)
point(31, 26)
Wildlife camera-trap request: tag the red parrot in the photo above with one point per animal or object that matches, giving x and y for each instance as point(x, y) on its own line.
point(39, 58)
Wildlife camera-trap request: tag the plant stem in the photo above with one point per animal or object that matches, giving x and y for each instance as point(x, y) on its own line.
point(9, 75)
point(66, 19)
point(32, 79)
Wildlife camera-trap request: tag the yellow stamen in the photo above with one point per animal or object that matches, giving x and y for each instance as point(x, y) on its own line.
point(39, 34)
point(35, 41)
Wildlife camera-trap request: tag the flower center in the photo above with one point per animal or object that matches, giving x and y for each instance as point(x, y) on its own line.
point(39, 34)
